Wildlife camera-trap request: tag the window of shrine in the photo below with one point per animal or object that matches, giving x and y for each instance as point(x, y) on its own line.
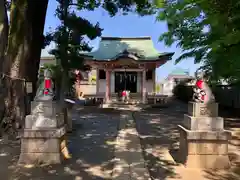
point(101, 74)
point(149, 75)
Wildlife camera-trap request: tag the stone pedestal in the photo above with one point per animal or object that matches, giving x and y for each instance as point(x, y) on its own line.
point(203, 140)
point(43, 138)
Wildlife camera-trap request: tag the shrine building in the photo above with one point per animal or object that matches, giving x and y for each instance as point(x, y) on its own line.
point(126, 64)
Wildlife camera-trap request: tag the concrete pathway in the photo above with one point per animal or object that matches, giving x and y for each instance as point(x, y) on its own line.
point(129, 162)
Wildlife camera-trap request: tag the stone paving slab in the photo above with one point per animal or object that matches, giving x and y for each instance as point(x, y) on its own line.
point(129, 162)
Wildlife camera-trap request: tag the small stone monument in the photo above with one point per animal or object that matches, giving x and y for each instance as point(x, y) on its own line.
point(43, 137)
point(203, 140)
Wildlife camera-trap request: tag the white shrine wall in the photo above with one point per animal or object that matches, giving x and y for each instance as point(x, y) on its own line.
point(102, 86)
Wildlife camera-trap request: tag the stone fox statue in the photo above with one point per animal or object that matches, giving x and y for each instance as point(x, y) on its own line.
point(45, 89)
point(202, 92)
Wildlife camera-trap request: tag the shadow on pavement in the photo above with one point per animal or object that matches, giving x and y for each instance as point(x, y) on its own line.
point(92, 154)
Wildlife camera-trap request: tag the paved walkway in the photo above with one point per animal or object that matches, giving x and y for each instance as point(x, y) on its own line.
point(106, 145)
point(129, 164)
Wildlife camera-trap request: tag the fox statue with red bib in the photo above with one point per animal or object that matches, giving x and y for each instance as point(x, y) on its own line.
point(45, 90)
point(202, 92)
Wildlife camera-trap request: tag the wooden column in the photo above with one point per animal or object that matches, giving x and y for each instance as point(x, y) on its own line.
point(97, 81)
point(144, 86)
point(108, 85)
point(154, 85)
point(154, 80)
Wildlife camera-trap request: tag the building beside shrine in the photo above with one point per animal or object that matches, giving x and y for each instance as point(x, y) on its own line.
point(126, 64)
point(175, 77)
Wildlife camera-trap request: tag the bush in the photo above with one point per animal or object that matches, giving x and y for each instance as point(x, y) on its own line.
point(183, 92)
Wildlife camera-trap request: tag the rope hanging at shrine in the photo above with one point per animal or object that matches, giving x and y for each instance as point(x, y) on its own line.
point(3, 75)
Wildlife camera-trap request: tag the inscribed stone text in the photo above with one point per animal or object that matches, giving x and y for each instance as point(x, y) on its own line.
point(39, 109)
point(204, 111)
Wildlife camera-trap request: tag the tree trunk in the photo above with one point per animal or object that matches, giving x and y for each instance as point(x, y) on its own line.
point(3, 45)
point(20, 50)
point(14, 66)
point(36, 21)
point(3, 31)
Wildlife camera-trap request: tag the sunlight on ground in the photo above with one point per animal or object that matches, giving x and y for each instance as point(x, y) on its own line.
point(2, 154)
point(119, 167)
point(157, 133)
point(111, 142)
point(155, 121)
point(98, 170)
point(78, 178)
point(29, 166)
point(70, 171)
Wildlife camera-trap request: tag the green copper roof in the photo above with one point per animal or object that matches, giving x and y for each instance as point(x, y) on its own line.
point(139, 48)
point(180, 71)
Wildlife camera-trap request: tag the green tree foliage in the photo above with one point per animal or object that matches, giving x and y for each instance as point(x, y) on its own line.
point(70, 35)
point(208, 31)
point(183, 92)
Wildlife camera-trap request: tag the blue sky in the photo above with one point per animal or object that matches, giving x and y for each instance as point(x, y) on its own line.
point(130, 25)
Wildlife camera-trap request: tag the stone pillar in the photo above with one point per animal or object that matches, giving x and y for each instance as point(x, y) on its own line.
point(108, 85)
point(144, 86)
point(43, 137)
point(203, 140)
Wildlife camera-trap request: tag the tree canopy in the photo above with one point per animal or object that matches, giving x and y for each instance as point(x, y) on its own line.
point(208, 31)
point(73, 30)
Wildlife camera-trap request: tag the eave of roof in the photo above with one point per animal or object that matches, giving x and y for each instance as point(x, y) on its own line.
point(125, 38)
point(47, 58)
point(164, 56)
point(140, 48)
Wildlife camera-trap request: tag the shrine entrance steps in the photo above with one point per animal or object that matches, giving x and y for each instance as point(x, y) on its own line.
point(124, 105)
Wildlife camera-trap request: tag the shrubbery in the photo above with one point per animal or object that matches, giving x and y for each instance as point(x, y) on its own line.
point(183, 92)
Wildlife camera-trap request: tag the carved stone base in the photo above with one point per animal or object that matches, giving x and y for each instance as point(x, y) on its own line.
point(196, 109)
point(203, 123)
point(42, 146)
point(204, 149)
point(40, 158)
point(208, 161)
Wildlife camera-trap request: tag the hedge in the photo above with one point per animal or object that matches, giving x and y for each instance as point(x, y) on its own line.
point(183, 92)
